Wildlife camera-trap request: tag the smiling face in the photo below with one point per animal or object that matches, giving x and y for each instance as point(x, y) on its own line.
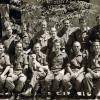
point(66, 23)
point(37, 48)
point(9, 31)
point(44, 25)
point(19, 48)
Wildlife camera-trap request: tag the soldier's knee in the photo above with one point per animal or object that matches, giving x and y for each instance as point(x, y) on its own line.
point(9, 83)
point(65, 80)
point(88, 76)
point(22, 79)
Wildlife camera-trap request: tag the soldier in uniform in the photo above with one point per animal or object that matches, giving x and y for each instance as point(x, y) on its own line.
point(42, 36)
point(9, 41)
point(51, 41)
point(74, 72)
point(68, 35)
point(56, 64)
point(38, 73)
point(82, 34)
point(17, 77)
point(94, 32)
point(92, 77)
point(4, 66)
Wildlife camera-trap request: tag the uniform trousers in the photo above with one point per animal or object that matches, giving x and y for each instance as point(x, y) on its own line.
point(69, 82)
point(16, 81)
point(92, 83)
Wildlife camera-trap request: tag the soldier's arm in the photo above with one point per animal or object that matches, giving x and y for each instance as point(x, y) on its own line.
point(7, 61)
point(69, 69)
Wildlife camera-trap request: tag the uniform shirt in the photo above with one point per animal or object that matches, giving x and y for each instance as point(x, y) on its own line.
point(9, 44)
point(94, 62)
point(41, 58)
point(19, 62)
point(57, 62)
point(69, 38)
point(82, 36)
point(94, 33)
point(77, 61)
point(4, 62)
point(41, 37)
point(50, 44)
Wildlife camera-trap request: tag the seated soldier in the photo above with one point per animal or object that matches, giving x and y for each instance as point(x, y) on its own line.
point(75, 70)
point(38, 73)
point(16, 79)
point(92, 77)
point(4, 67)
point(56, 61)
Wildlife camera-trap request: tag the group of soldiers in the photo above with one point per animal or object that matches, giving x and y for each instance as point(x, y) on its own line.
point(51, 60)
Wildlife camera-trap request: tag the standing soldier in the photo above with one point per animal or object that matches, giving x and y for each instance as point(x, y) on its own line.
point(51, 41)
point(82, 35)
point(92, 77)
point(17, 78)
point(74, 76)
point(94, 33)
point(56, 64)
point(68, 35)
point(42, 36)
point(4, 66)
point(9, 41)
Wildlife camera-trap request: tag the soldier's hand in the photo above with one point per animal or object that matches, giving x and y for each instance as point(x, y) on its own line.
point(89, 70)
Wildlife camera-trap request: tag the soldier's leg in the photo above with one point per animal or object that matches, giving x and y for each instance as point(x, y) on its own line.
point(58, 78)
point(48, 79)
point(66, 82)
point(20, 83)
point(78, 81)
point(2, 81)
point(9, 84)
point(88, 83)
point(96, 88)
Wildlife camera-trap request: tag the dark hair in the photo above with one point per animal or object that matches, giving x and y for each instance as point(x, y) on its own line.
point(98, 16)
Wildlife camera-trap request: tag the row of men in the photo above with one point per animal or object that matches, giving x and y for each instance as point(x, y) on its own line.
point(71, 71)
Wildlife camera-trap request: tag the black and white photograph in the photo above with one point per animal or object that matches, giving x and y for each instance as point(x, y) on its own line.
point(49, 49)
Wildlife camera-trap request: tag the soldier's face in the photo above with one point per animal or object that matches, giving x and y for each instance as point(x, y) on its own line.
point(44, 25)
point(53, 33)
point(66, 23)
point(9, 31)
point(57, 47)
point(1, 49)
point(82, 23)
point(19, 48)
point(37, 48)
point(96, 47)
point(76, 47)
